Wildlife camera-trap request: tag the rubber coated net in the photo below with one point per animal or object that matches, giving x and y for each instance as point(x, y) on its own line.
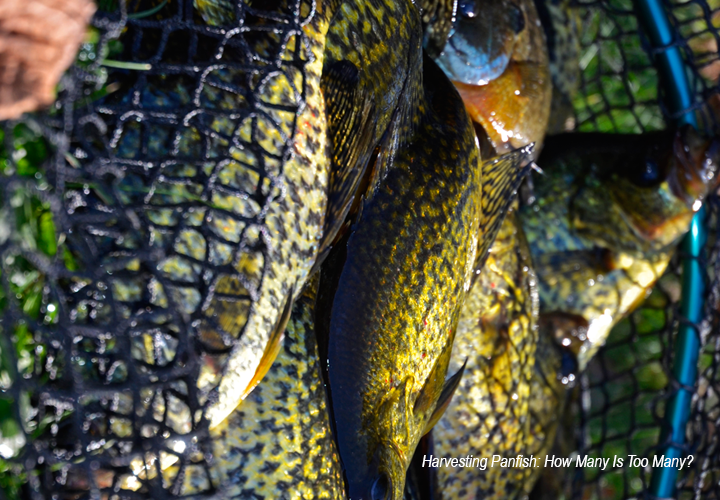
point(620, 404)
point(104, 374)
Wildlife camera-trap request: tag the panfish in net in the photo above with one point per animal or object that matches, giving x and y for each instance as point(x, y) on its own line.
point(240, 198)
point(495, 340)
point(497, 58)
point(278, 442)
point(352, 84)
point(391, 291)
point(610, 211)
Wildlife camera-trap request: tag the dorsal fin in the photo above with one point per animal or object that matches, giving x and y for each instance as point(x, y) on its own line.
point(351, 127)
point(501, 178)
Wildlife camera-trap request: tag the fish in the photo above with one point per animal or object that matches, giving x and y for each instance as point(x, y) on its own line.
point(490, 413)
point(278, 442)
point(236, 196)
point(561, 23)
point(511, 397)
point(359, 82)
point(609, 212)
point(496, 56)
point(391, 290)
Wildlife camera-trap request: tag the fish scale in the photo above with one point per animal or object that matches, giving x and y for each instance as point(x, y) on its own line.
point(643, 187)
point(212, 195)
point(248, 219)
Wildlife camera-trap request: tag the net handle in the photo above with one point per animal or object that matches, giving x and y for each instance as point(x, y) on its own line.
point(673, 77)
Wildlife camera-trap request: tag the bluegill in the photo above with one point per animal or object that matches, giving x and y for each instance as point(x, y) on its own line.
point(497, 57)
point(610, 210)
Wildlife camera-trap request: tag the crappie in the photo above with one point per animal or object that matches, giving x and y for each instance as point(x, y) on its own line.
point(277, 443)
point(490, 413)
point(391, 291)
point(497, 58)
point(609, 212)
point(351, 85)
point(236, 200)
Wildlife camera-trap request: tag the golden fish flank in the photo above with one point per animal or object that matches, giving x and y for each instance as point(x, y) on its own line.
point(277, 444)
point(253, 213)
point(357, 71)
point(490, 412)
point(400, 285)
point(609, 212)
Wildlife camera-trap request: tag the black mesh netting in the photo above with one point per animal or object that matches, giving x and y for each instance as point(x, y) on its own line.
point(100, 355)
point(100, 364)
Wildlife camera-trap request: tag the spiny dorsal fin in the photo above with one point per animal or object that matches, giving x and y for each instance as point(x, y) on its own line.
point(351, 126)
point(501, 178)
point(446, 395)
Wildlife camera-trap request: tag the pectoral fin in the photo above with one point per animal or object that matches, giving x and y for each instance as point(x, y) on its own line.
point(445, 397)
point(501, 178)
point(351, 127)
point(433, 387)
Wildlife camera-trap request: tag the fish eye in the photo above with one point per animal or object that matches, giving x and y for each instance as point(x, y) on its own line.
point(517, 17)
point(381, 488)
point(466, 8)
point(568, 364)
point(649, 175)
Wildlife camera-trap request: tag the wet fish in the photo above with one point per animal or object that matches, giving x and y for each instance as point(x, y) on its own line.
point(278, 442)
point(238, 197)
point(391, 291)
point(497, 57)
point(350, 84)
point(609, 212)
point(490, 413)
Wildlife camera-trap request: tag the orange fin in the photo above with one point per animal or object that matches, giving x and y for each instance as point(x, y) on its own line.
point(273, 346)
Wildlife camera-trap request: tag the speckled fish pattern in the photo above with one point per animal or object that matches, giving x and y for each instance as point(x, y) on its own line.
point(409, 261)
point(490, 411)
point(242, 227)
point(277, 444)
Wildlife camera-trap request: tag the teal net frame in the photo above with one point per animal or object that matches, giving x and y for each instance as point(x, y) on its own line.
point(673, 77)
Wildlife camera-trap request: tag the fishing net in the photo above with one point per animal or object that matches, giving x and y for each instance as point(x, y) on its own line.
point(620, 402)
point(100, 318)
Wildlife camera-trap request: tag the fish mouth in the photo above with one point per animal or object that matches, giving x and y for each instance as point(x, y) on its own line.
point(696, 160)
